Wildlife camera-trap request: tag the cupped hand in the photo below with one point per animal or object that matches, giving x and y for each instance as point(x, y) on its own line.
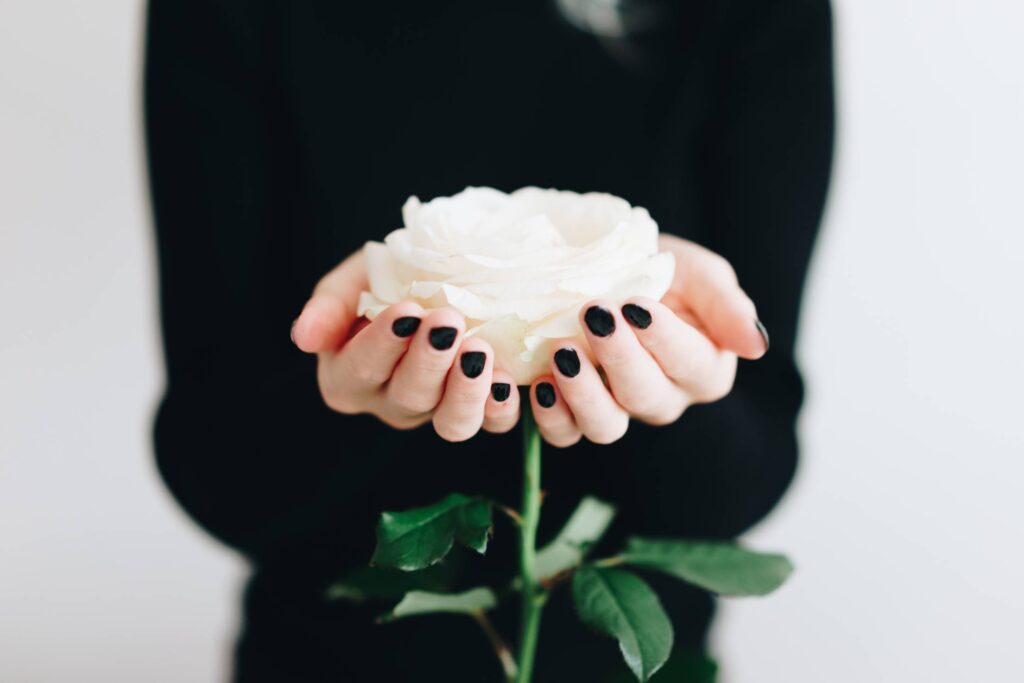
point(658, 358)
point(405, 367)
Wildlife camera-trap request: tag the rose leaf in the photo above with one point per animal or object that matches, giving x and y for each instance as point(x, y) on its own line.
point(417, 538)
point(584, 528)
point(620, 604)
point(720, 567)
point(422, 602)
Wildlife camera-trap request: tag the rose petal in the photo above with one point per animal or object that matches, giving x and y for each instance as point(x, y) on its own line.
point(518, 266)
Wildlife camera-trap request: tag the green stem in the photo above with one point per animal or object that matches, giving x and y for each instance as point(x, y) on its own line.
point(533, 596)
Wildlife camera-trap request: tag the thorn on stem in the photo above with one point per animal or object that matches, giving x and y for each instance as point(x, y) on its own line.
point(511, 514)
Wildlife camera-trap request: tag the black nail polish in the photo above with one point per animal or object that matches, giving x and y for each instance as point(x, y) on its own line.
point(406, 327)
point(545, 395)
point(568, 362)
point(600, 321)
point(472, 363)
point(638, 316)
point(501, 391)
point(764, 333)
point(442, 338)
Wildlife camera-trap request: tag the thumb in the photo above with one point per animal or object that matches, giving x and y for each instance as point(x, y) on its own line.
point(329, 314)
point(707, 285)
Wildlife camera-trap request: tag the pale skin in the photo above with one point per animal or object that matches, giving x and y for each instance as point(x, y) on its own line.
point(659, 358)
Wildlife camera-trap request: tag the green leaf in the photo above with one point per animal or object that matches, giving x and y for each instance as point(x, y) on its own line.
point(420, 537)
point(720, 567)
point(622, 605)
point(373, 583)
point(584, 528)
point(422, 602)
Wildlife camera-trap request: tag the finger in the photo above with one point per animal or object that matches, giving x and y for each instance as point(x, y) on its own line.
point(501, 412)
point(706, 284)
point(637, 382)
point(368, 360)
point(460, 414)
point(685, 355)
point(554, 419)
point(598, 415)
point(328, 316)
point(417, 383)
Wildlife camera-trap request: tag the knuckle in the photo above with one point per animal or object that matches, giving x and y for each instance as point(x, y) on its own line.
point(718, 389)
point(663, 419)
point(400, 422)
point(720, 268)
point(563, 440)
point(412, 403)
point(614, 356)
point(609, 434)
point(454, 432)
point(584, 403)
point(642, 403)
point(366, 373)
point(339, 401)
point(433, 365)
point(721, 391)
point(667, 415)
point(322, 286)
point(466, 398)
point(658, 342)
point(680, 364)
point(342, 404)
point(499, 426)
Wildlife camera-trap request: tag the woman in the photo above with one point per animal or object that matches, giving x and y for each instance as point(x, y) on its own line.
point(283, 136)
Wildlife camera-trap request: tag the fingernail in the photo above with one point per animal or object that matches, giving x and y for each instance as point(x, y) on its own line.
point(568, 362)
point(501, 391)
point(291, 332)
point(638, 316)
point(406, 326)
point(600, 321)
point(545, 394)
point(472, 363)
point(442, 338)
point(764, 333)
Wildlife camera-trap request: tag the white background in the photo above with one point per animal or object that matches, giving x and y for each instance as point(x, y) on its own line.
point(905, 519)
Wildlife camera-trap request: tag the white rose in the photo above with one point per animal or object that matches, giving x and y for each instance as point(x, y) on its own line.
point(517, 266)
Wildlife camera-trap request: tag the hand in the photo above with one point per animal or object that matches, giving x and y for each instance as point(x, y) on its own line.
point(658, 358)
point(400, 366)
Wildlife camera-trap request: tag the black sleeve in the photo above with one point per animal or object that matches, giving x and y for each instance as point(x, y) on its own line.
point(243, 438)
point(240, 435)
point(759, 172)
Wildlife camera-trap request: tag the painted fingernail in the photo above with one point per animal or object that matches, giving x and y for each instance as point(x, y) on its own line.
point(568, 362)
point(545, 394)
point(406, 327)
point(638, 316)
point(600, 321)
point(442, 338)
point(501, 391)
point(472, 363)
point(764, 333)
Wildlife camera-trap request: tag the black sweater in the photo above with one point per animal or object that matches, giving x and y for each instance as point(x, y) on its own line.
point(282, 136)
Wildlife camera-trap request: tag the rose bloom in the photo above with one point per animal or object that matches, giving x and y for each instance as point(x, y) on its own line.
point(518, 266)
